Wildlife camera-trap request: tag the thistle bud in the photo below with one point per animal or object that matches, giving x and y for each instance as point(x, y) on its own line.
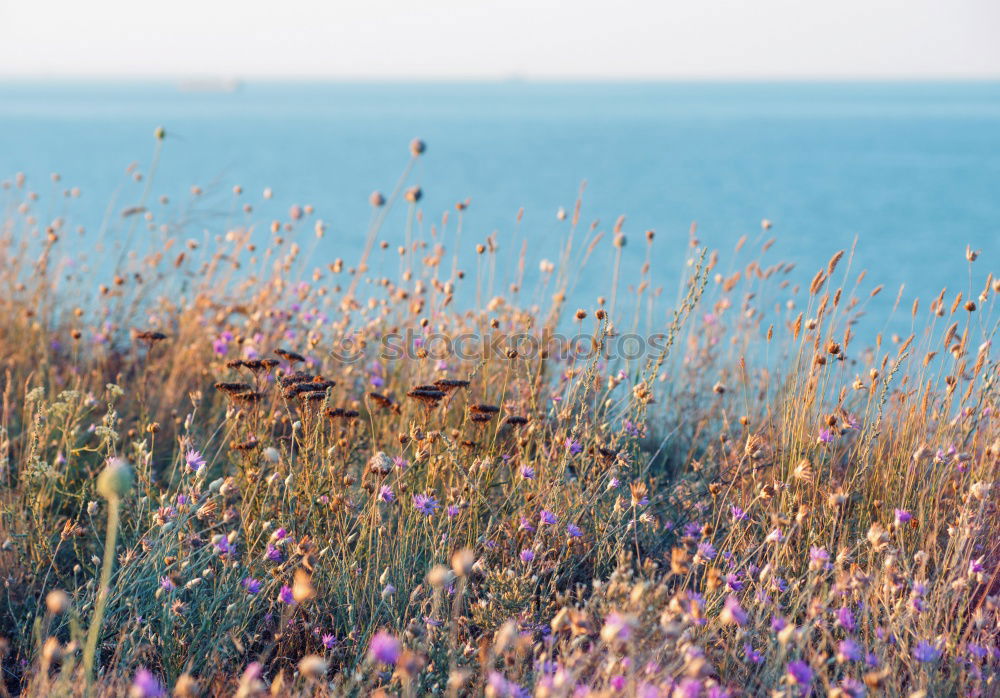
point(462, 562)
point(313, 666)
point(57, 602)
point(116, 479)
point(439, 576)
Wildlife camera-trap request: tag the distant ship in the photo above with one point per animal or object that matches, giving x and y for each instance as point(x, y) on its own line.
point(210, 85)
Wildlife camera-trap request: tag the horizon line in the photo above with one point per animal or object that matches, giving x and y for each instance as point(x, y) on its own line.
point(223, 78)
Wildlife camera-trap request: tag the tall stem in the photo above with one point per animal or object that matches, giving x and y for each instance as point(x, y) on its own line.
point(110, 539)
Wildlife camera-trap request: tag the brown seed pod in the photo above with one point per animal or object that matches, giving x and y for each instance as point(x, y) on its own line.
point(251, 397)
point(296, 377)
point(248, 445)
point(233, 388)
point(430, 397)
point(149, 336)
point(384, 402)
point(289, 356)
point(483, 408)
point(341, 413)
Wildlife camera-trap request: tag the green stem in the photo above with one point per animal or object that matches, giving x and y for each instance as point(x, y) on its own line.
point(102, 592)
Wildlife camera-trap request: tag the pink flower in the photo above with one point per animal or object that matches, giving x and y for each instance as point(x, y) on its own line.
point(384, 648)
point(617, 628)
point(145, 685)
point(732, 612)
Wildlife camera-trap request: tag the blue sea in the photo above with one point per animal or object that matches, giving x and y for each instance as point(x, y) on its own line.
point(912, 170)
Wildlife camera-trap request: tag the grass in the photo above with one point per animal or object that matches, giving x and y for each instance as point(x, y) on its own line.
point(200, 495)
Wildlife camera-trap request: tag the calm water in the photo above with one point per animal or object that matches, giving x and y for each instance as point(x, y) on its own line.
point(913, 170)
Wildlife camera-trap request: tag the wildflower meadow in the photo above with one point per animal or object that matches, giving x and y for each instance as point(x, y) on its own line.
point(237, 461)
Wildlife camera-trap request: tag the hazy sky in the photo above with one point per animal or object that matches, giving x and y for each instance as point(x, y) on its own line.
point(501, 38)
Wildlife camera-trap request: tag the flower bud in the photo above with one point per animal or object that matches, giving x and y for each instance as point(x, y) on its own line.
point(116, 479)
point(57, 602)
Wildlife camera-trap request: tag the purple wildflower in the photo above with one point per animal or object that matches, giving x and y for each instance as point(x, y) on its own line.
point(926, 652)
point(687, 688)
point(845, 619)
point(501, 687)
point(384, 648)
point(849, 651)
point(251, 585)
point(818, 557)
point(285, 595)
point(329, 641)
point(616, 628)
point(547, 517)
point(527, 472)
point(386, 494)
point(573, 446)
point(573, 530)
point(194, 460)
point(425, 504)
point(853, 688)
point(732, 612)
point(902, 516)
point(800, 673)
point(145, 685)
point(752, 655)
point(527, 555)
point(977, 651)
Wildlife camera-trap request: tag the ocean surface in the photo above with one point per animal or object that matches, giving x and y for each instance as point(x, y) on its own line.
point(912, 170)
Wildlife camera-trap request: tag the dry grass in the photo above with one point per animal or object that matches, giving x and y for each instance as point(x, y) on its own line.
point(761, 503)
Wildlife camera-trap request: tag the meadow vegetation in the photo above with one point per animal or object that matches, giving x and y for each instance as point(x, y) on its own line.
point(200, 496)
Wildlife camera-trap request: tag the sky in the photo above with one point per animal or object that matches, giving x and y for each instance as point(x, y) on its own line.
point(501, 39)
